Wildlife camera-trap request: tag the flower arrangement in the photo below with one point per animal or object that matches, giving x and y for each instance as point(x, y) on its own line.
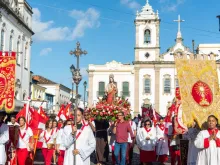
point(102, 110)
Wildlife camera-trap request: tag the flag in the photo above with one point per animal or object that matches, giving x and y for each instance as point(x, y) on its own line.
point(42, 118)
point(60, 113)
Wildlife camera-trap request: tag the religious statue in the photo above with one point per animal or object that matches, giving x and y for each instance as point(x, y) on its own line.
point(111, 89)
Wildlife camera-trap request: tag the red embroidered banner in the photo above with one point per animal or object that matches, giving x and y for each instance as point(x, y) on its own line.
point(7, 80)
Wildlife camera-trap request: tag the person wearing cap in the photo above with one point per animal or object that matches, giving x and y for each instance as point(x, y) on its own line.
point(4, 138)
point(85, 142)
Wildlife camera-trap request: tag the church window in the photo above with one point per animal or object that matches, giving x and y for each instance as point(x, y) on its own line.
point(125, 89)
point(10, 43)
point(176, 83)
point(101, 91)
point(147, 36)
point(25, 56)
point(167, 84)
point(147, 55)
point(147, 86)
point(2, 40)
point(18, 52)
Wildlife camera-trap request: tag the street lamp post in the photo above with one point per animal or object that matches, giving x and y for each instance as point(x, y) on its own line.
point(84, 101)
point(76, 78)
point(218, 16)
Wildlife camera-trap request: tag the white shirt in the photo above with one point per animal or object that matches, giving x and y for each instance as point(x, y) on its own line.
point(47, 138)
point(15, 124)
point(55, 132)
point(27, 133)
point(133, 128)
point(59, 139)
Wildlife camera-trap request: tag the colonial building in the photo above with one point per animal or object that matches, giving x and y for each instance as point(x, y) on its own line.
point(152, 76)
point(55, 94)
point(15, 35)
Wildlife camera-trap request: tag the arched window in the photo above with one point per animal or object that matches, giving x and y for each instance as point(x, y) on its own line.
point(24, 96)
point(147, 36)
point(147, 85)
point(101, 91)
point(2, 40)
point(176, 83)
point(10, 43)
point(18, 52)
point(125, 89)
point(25, 56)
point(167, 84)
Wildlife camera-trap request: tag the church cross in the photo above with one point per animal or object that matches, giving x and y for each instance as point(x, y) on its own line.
point(179, 21)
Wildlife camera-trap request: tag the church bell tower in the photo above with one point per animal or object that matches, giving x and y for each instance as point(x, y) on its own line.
point(147, 44)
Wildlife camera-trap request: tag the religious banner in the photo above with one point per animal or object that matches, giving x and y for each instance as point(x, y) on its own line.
point(198, 81)
point(7, 80)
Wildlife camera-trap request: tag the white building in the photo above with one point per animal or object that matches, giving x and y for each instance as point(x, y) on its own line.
point(152, 76)
point(60, 93)
point(15, 35)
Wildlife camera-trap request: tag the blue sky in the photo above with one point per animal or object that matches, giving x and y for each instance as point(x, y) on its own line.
point(106, 30)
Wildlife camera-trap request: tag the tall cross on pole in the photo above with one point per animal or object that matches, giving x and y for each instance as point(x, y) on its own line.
point(76, 78)
point(179, 22)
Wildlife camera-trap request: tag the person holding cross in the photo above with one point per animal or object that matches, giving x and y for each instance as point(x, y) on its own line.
point(84, 138)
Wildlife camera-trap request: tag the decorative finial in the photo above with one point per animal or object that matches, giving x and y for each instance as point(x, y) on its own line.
point(147, 2)
point(137, 13)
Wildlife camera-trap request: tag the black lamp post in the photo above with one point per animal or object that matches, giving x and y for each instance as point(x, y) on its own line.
point(218, 16)
point(84, 101)
point(76, 78)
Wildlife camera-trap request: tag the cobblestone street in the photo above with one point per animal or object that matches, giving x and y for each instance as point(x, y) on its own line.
point(135, 161)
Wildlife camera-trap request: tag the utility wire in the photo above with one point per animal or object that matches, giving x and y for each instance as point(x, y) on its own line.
point(111, 19)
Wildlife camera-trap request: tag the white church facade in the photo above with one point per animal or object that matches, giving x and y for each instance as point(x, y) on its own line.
point(152, 76)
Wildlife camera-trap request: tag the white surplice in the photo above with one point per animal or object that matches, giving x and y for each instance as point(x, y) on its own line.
point(4, 138)
point(192, 150)
point(85, 143)
point(162, 141)
point(59, 140)
point(143, 144)
point(210, 155)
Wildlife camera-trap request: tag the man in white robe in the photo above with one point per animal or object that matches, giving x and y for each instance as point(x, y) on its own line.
point(85, 142)
point(4, 138)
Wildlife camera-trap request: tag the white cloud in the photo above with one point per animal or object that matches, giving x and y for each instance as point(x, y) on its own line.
point(85, 20)
point(45, 51)
point(132, 4)
point(170, 5)
point(44, 31)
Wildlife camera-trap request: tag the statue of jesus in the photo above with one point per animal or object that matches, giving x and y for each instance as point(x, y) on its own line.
point(111, 90)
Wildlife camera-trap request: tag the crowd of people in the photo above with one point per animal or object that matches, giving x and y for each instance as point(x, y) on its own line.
point(101, 137)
